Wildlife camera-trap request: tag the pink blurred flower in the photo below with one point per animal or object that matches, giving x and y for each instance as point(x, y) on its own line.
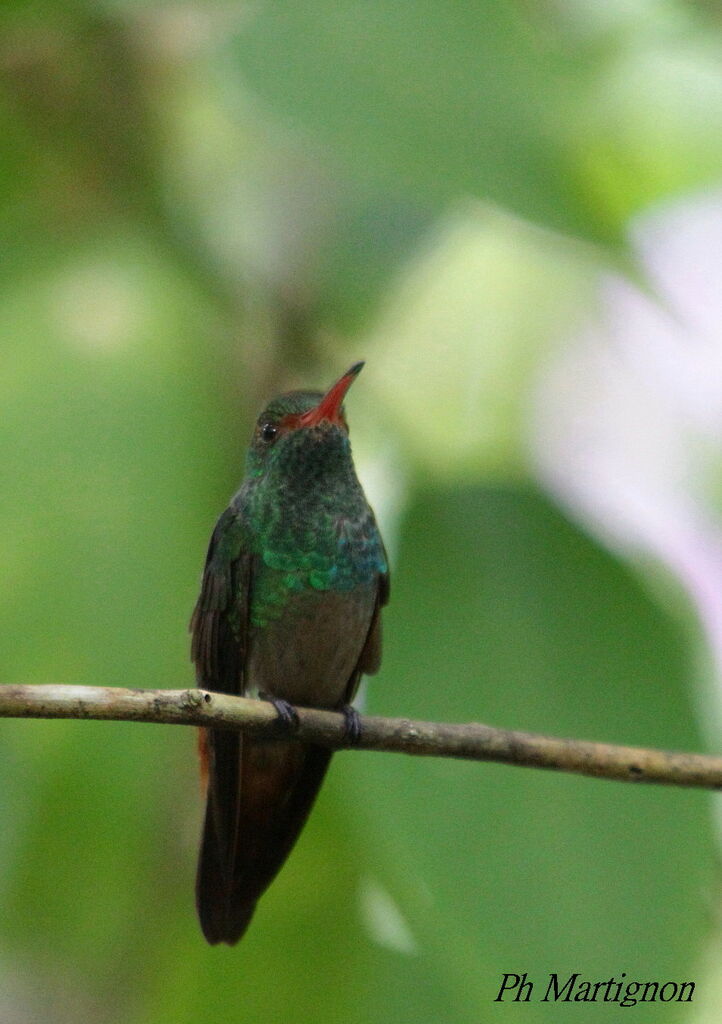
point(627, 423)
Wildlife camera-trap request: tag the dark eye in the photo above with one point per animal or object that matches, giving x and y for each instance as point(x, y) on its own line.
point(268, 432)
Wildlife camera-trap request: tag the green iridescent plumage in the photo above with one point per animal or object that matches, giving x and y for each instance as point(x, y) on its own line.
point(306, 515)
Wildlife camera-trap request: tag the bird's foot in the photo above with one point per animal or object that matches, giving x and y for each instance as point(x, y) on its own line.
point(352, 724)
point(287, 714)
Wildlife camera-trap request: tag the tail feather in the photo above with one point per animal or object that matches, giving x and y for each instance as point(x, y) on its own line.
point(259, 796)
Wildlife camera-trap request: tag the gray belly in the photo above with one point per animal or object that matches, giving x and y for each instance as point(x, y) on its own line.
point(308, 655)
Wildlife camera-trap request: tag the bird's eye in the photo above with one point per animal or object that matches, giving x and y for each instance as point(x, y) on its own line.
point(268, 432)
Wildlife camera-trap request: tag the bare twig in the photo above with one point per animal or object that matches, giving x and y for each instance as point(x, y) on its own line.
point(470, 741)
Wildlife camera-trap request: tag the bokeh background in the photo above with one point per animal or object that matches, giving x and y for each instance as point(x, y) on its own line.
point(513, 212)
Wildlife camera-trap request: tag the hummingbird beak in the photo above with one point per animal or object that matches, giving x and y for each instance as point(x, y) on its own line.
point(329, 408)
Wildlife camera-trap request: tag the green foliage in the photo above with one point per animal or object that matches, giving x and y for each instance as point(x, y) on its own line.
point(433, 100)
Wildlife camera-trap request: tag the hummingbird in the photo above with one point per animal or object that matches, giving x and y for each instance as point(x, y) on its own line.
point(289, 611)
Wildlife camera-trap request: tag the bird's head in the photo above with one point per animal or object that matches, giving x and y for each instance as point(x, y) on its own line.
point(302, 432)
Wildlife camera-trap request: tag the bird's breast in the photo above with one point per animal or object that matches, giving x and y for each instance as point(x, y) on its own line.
point(308, 654)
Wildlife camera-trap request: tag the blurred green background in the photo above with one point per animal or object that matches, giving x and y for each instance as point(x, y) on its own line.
point(203, 203)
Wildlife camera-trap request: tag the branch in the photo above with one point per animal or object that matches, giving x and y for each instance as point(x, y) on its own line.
point(436, 739)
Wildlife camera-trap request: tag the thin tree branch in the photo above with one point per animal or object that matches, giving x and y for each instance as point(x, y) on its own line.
point(471, 741)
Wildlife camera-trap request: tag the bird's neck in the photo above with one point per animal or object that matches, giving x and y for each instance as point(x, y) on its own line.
point(302, 513)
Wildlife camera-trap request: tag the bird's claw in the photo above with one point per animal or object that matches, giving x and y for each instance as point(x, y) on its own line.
point(287, 714)
point(352, 724)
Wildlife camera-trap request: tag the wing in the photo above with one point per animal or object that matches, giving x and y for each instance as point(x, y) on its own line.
point(219, 624)
point(219, 627)
point(369, 660)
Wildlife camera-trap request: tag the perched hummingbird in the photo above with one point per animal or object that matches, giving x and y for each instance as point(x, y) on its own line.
point(289, 610)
